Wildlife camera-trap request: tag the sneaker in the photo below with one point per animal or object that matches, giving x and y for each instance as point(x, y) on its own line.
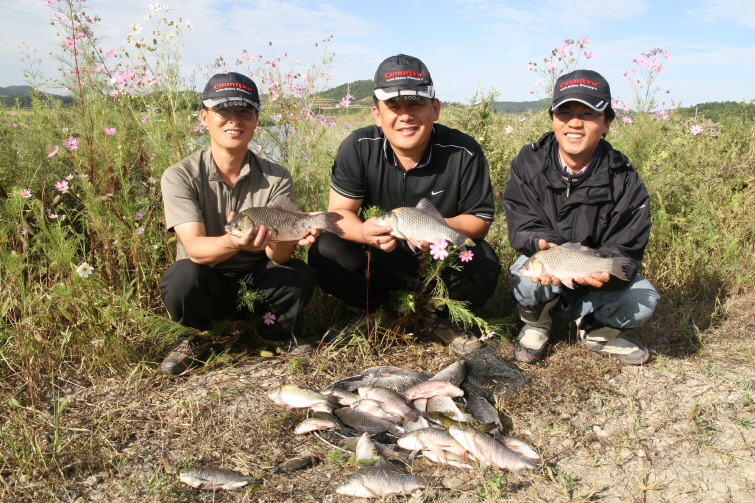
point(183, 355)
point(458, 339)
point(349, 322)
point(623, 348)
point(529, 345)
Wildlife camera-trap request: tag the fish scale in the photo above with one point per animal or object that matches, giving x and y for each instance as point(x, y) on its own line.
point(421, 223)
point(570, 261)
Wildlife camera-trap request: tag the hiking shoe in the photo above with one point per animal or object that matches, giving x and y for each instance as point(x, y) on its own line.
point(623, 348)
point(458, 339)
point(183, 355)
point(290, 347)
point(529, 345)
point(349, 322)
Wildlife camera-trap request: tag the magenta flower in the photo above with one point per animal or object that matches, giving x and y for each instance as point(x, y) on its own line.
point(588, 55)
point(627, 120)
point(489, 334)
point(109, 131)
point(53, 152)
point(713, 132)
point(268, 318)
point(24, 231)
point(466, 255)
point(24, 194)
point(509, 129)
point(61, 186)
point(144, 119)
point(68, 177)
point(71, 144)
point(112, 53)
point(138, 215)
point(438, 249)
point(696, 130)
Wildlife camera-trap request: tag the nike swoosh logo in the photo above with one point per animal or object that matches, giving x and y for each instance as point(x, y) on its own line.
point(433, 193)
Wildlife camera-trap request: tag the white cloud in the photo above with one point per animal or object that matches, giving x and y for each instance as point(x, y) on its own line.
point(741, 12)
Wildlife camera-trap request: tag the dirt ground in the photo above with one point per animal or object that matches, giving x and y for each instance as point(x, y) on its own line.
point(681, 428)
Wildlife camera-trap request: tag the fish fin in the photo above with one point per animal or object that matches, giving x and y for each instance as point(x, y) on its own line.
point(425, 206)
point(617, 267)
point(282, 202)
point(413, 244)
point(567, 282)
point(331, 223)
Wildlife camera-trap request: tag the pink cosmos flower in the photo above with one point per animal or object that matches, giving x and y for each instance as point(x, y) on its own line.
point(509, 129)
point(109, 131)
point(69, 177)
point(489, 334)
point(138, 215)
point(24, 194)
point(588, 55)
point(140, 230)
point(268, 318)
point(144, 119)
point(438, 249)
point(53, 152)
point(71, 144)
point(627, 120)
point(24, 231)
point(112, 53)
point(713, 132)
point(61, 186)
point(466, 255)
point(696, 130)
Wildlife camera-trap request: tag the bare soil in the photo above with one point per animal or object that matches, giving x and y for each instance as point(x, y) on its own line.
point(681, 428)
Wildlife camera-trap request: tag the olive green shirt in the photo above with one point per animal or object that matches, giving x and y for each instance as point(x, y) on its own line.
point(193, 191)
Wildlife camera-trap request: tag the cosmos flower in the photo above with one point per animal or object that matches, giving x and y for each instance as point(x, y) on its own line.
point(438, 249)
point(61, 186)
point(466, 255)
point(84, 270)
point(109, 131)
point(24, 194)
point(268, 318)
point(696, 129)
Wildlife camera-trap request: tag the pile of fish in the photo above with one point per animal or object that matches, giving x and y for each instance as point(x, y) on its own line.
point(422, 413)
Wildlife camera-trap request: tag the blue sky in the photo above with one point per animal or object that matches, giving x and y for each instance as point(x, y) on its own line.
point(467, 45)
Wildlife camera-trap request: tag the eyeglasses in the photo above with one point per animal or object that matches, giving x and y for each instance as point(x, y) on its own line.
point(565, 116)
point(245, 114)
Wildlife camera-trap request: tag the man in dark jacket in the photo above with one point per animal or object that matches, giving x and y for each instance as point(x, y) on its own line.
point(572, 186)
point(404, 158)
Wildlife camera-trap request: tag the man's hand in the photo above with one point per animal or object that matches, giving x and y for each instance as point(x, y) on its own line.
point(378, 235)
point(596, 279)
point(254, 241)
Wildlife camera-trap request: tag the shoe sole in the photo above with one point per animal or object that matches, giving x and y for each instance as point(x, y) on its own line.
point(633, 361)
point(524, 357)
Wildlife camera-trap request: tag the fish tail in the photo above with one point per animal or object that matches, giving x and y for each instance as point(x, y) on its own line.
point(617, 267)
point(330, 223)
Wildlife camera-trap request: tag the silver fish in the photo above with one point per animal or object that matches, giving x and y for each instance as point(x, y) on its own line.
point(570, 261)
point(284, 219)
point(421, 223)
point(376, 482)
point(488, 451)
point(454, 373)
point(315, 424)
point(446, 405)
point(436, 440)
point(216, 479)
point(366, 448)
point(484, 412)
point(298, 397)
point(398, 383)
point(363, 422)
point(390, 401)
point(429, 389)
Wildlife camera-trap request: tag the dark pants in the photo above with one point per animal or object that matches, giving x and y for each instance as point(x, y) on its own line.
point(196, 294)
point(343, 267)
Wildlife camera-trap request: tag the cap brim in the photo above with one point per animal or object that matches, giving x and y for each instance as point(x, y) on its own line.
point(394, 93)
point(592, 102)
point(231, 102)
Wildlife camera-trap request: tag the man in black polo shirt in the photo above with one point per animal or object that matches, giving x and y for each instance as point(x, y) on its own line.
point(403, 158)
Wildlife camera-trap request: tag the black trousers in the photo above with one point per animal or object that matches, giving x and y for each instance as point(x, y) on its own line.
point(343, 265)
point(196, 294)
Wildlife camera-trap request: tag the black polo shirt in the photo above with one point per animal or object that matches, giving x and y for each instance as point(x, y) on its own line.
point(453, 173)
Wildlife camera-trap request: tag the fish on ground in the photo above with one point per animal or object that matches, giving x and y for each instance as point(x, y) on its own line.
point(569, 261)
point(436, 440)
point(216, 479)
point(376, 482)
point(484, 412)
point(286, 221)
point(487, 451)
point(363, 422)
point(390, 401)
point(315, 424)
point(429, 389)
point(298, 397)
point(366, 448)
point(454, 373)
point(421, 223)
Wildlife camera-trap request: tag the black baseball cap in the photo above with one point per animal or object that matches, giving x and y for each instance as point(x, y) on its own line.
point(229, 90)
point(585, 86)
point(403, 77)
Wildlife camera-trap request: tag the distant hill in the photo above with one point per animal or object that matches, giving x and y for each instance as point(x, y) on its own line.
point(518, 107)
point(11, 95)
point(360, 89)
point(717, 110)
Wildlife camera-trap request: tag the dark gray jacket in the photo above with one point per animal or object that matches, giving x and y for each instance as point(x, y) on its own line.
point(608, 211)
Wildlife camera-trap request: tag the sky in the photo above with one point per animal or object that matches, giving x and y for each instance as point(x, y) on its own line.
point(467, 45)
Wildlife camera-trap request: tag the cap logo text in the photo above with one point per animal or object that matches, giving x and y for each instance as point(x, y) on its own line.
point(233, 84)
point(407, 73)
point(578, 81)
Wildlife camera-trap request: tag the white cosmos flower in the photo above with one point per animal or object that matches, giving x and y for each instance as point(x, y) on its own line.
point(135, 27)
point(84, 270)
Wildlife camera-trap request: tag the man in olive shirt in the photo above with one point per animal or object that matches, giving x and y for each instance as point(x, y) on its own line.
point(201, 194)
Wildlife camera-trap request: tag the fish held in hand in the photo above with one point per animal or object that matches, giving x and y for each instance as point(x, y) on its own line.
point(286, 221)
point(570, 261)
point(421, 223)
point(216, 479)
